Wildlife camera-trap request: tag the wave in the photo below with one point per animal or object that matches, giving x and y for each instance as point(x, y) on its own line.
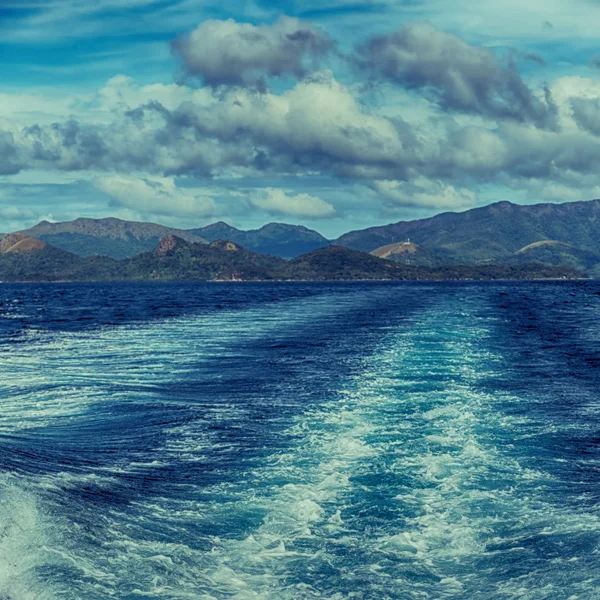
point(206, 458)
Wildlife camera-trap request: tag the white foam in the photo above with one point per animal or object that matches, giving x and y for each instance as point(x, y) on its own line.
point(415, 415)
point(23, 545)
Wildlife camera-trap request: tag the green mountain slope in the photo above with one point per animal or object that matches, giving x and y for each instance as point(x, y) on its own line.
point(551, 252)
point(338, 263)
point(413, 254)
point(276, 239)
point(490, 232)
point(176, 259)
point(110, 237)
point(53, 264)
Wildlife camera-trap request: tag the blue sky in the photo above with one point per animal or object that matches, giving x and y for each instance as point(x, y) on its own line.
point(334, 114)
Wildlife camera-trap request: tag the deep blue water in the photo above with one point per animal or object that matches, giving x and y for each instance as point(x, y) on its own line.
point(300, 441)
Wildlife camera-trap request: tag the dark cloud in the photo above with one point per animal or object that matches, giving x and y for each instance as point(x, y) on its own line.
point(9, 155)
point(457, 76)
point(586, 113)
point(316, 128)
point(242, 54)
point(533, 57)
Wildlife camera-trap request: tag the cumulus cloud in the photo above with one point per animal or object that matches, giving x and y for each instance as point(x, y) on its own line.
point(490, 125)
point(456, 75)
point(278, 202)
point(124, 145)
point(318, 127)
point(425, 193)
point(155, 195)
point(242, 54)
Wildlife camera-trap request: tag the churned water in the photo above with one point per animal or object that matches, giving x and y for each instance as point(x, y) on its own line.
point(300, 441)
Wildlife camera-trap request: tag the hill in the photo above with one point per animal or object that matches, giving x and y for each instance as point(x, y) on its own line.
point(338, 263)
point(551, 252)
point(344, 264)
point(413, 254)
point(491, 232)
point(176, 259)
point(20, 242)
point(110, 237)
point(38, 261)
point(276, 239)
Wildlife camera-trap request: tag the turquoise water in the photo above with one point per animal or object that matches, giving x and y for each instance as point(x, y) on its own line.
point(295, 441)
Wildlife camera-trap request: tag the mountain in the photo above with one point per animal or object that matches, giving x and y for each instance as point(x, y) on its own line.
point(491, 232)
point(551, 252)
point(344, 264)
point(413, 254)
point(110, 237)
point(23, 258)
point(339, 263)
point(276, 239)
point(20, 242)
point(176, 259)
point(118, 239)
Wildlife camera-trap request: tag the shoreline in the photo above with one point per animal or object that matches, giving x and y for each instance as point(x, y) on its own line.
point(232, 281)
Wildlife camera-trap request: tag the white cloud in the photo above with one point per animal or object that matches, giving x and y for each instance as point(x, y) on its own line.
point(512, 21)
point(278, 202)
point(122, 92)
point(232, 53)
point(156, 196)
point(424, 193)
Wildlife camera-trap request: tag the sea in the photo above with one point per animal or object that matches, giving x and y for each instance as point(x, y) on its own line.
point(299, 441)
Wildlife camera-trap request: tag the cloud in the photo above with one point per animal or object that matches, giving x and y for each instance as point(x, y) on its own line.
point(318, 128)
point(423, 192)
point(155, 195)
point(278, 202)
point(10, 162)
point(54, 21)
point(15, 213)
point(242, 54)
point(586, 112)
point(455, 75)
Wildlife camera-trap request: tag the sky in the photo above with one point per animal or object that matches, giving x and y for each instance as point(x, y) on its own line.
point(334, 114)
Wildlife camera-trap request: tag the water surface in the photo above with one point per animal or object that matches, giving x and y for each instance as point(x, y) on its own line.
point(300, 441)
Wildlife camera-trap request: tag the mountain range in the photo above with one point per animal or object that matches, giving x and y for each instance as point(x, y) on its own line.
point(23, 259)
point(277, 239)
point(502, 234)
point(118, 239)
point(110, 237)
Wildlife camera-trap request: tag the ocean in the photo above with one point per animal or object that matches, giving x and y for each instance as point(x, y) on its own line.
point(290, 441)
